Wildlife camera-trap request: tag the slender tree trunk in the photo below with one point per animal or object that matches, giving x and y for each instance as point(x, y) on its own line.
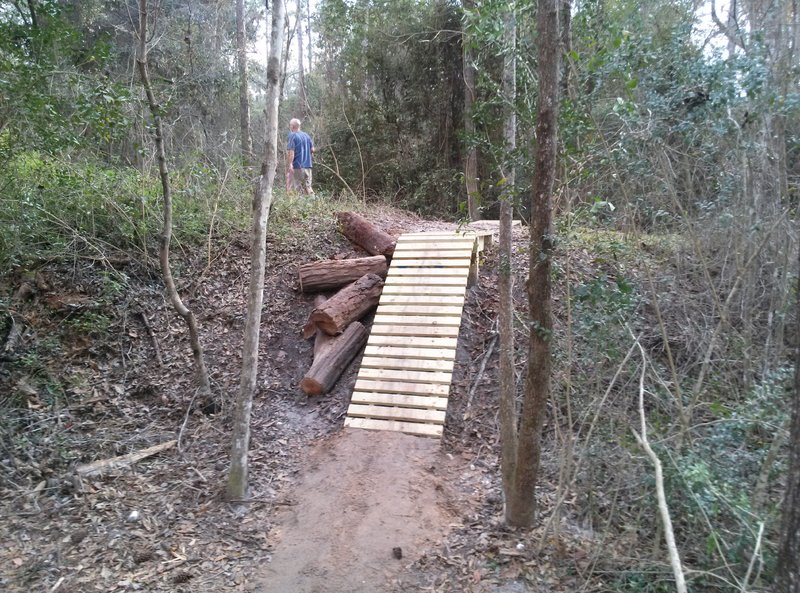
point(308, 32)
point(204, 385)
point(244, 89)
point(471, 162)
point(521, 504)
point(301, 77)
point(262, 199)
point(508, 407)
point(787, 578)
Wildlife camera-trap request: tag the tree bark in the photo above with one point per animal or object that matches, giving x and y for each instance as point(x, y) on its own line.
point(244, 89)
point(471, 161)
point(508, 408)
point(262, 198)
point(348, 305)
point(300, 66)
point(335, 273)
point(365, 234)
point(521, 503)
point(204, 384)
point(321, 339)
point(334, 359)
point(787, 572)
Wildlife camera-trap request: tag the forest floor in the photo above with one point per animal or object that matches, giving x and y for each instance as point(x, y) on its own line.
point(102, 367)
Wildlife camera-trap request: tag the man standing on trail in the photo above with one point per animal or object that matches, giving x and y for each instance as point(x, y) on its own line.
point(299, 148)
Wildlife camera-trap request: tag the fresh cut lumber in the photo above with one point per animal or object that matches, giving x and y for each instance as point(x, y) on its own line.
point(365, 234)
point(335, 273)
point(348, 305)
point(331, 362)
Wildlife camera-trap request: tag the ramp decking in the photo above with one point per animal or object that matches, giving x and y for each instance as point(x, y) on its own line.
point(405, 374)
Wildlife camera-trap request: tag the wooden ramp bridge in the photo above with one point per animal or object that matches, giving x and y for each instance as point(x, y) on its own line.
point(405, 374)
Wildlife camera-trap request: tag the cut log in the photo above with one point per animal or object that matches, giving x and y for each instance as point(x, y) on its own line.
point(103, 466)
point(321, 339)
point(335, 273)
point(348, 305)
point(334, 359)
point(365, 234)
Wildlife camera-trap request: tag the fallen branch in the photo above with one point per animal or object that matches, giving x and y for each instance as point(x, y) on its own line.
point(98, 468)
point(669, 533)
point(478, 377)
point(153, 338)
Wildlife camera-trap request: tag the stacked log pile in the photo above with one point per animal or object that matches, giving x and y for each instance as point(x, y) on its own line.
point(334, 322)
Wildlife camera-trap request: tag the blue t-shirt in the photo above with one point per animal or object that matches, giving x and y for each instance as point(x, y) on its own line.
point(301, 144)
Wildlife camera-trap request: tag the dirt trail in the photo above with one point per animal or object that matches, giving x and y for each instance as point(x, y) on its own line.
point(363, 494)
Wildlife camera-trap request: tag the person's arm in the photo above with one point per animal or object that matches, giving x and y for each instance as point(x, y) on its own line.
point(289, 159)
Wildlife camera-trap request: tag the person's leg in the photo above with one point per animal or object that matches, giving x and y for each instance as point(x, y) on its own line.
point(307, 182)
point(297, 180)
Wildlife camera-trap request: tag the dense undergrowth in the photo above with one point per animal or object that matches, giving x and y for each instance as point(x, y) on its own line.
point(721, 439)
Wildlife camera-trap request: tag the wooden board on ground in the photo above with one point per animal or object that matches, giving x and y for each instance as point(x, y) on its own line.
point(400, 387)
point(427, 290)
point(393, 413)
point(416, 299)
point(394, 376)
point(420, 331)
point(411, 364)
point(393, 319)
point(426, 310)
point(400, 400)
point(415, 341)
point(428, 430)
point(409, 352)
point(425, 281)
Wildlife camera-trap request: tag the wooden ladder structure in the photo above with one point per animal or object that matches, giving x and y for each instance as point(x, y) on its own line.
point(405, 374)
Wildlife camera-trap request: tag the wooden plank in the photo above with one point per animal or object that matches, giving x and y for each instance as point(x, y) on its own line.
point(410, 352)
point(431, 253)
point(419, 272)
point(431, 263)
point(426, 310)
point(425, 290)
point(393, 413)
point(381, 319)
point(430, 430)
point(407, 364)
point(400, 400)
point(399, 387)
point(425, 281)
point(417, 299)
point(399, 375)
point(400, 341)
point(428, 249)
point(434, 235)
point(417, 331)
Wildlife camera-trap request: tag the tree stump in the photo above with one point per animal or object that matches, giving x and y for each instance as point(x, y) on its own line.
point(365, 234)
point(346, 306)
point(335, 273)
point(334, 359)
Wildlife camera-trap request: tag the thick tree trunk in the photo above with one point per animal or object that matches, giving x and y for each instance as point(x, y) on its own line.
point(335, 273)
point(204, 384)
point(521, 503)
point(365, 234)
point(508, 409)
point(348, 305)
point(237, 476)
point(787, 579)
point(244, 93)
point(471, 161)
point(334, 359)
